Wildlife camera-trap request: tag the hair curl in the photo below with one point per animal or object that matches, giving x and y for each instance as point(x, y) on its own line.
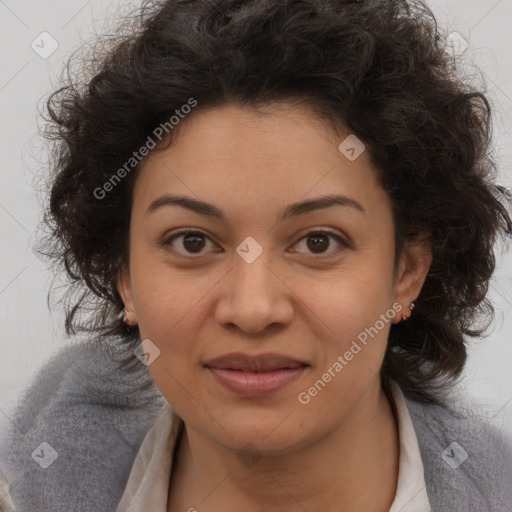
point(377, 67)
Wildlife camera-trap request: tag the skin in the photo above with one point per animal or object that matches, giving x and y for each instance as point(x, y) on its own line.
point(340, 451)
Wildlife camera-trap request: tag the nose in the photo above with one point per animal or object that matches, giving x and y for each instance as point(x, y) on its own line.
point(254, 296)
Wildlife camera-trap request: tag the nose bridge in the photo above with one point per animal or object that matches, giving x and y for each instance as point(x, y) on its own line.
point(251, 274)
point(254, 297)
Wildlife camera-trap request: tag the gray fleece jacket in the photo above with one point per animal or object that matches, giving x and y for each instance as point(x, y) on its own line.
point(77, 428)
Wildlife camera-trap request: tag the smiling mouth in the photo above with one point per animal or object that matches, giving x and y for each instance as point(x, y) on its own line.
point(256, 382)
point(255, 375)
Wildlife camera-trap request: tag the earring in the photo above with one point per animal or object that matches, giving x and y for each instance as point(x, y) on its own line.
point(411, 307)
point(125, 315)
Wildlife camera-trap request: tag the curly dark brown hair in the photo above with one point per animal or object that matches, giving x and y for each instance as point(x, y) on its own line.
point(378, 67)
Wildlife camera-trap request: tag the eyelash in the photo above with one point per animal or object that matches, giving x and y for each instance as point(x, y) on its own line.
point(343, 244)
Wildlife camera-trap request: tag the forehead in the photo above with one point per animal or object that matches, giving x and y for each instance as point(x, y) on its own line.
point(233, 154)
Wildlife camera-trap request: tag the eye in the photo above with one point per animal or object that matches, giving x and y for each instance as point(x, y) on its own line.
point(192, 242)
point(189, 242)
point(318, 242)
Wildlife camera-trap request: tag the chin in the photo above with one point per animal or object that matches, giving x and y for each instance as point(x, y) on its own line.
point(272, 435)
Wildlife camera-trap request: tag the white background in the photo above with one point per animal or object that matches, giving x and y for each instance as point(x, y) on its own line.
point(30, 334)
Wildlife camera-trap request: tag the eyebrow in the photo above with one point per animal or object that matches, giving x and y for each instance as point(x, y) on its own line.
point(292, 210)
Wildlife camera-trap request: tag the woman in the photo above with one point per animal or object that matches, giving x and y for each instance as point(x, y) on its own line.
point(281, 217)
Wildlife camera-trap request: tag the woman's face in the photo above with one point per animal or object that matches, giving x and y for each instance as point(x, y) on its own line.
point(311, 287)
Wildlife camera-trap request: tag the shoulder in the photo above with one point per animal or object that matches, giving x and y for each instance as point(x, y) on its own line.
point(76, 430)
point(467, 461)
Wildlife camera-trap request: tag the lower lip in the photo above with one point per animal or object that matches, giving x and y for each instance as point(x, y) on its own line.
point(256, 384)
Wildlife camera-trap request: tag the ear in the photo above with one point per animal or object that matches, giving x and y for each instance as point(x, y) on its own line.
point(124, 287)
point(413, 267)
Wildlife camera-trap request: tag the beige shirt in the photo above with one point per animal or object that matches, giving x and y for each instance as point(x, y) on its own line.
point(148, 484)
point(6, 504)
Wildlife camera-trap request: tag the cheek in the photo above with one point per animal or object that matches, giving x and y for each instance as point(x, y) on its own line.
point(357, 322)
point(352, 311)
point(173, 309)
point(167, 298)
point(349, 299)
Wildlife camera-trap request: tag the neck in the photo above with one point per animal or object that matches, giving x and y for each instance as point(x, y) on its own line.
point(354, 467)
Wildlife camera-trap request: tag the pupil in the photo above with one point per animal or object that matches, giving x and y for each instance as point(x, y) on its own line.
point(195, 245)
point(320, 241)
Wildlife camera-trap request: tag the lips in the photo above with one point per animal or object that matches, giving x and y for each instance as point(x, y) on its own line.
point(257, 364)
point(255, 376)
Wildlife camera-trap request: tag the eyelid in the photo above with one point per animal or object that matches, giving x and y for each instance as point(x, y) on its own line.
point(341, 240)
point(169, 238)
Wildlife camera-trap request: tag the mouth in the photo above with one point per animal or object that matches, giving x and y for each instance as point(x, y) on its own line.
point(255, 375)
